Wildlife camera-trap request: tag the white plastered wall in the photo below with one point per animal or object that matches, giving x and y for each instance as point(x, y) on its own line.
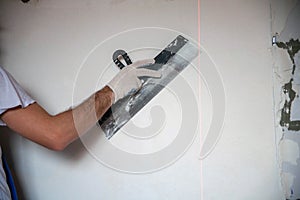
point(43, 44)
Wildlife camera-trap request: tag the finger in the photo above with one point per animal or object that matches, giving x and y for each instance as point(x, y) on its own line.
point(148, 72)
point(142, 63)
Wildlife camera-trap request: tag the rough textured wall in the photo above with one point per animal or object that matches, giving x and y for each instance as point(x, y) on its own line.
point(287, 89)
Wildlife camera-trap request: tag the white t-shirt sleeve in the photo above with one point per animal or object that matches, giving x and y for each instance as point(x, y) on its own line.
point(11, 94)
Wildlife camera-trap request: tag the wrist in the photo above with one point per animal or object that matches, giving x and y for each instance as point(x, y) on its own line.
point(110, 93)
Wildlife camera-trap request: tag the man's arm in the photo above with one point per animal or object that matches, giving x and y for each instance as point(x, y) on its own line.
point(56, 132)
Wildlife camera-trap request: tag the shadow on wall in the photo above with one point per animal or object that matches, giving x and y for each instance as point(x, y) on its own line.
point(73, 153)
point(5, 138)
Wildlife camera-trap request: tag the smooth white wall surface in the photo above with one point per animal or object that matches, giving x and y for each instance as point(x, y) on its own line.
point(43, 44)
point(237, 34)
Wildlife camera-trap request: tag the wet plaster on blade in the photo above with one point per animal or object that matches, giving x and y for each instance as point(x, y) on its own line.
point(287, 103)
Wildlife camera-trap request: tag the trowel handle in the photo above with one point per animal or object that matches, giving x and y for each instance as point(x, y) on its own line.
point(118, 54)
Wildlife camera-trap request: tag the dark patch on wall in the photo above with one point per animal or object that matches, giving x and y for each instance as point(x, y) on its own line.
point(285, 120)
point(292, 47)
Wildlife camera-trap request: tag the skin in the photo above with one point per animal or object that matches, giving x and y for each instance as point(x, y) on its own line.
point(57, 131)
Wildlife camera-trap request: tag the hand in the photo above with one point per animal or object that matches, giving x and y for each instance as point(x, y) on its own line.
point(127, 80)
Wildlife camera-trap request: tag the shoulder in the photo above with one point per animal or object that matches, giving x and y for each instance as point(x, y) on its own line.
point(12, 94)
point(3, 74)
point(2, 71)
point(5, 78)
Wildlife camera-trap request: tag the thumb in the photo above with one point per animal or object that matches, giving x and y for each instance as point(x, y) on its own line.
point(142, 63)
point(148, 72)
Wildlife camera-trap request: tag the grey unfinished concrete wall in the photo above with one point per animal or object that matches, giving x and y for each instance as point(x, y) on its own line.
point(286, 52)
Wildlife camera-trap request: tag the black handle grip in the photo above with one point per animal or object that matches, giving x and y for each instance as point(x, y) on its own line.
point(116, 58)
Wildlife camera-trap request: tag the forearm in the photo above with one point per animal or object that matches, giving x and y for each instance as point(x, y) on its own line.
point(56, 132)
point(88, 113)
point(80, 119)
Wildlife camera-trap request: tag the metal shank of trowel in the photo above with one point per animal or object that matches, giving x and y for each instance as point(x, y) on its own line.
point(116, 58)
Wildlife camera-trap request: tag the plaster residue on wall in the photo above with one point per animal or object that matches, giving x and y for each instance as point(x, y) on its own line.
point(290, 116)
point(287, 93)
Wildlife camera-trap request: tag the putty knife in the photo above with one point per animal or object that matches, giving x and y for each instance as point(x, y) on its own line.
point(170, 61)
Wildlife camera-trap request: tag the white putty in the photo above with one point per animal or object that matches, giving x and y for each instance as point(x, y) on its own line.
point(289, 151)
point(287, 180)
